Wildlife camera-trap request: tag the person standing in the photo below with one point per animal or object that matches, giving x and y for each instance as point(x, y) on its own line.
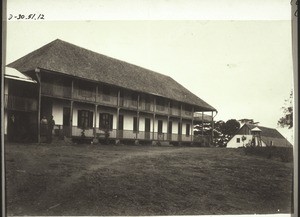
point(51, 124)
point(44, 128)
point(11, 131)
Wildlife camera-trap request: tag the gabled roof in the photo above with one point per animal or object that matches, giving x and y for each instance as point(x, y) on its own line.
point(65, 58)
point(265, 131)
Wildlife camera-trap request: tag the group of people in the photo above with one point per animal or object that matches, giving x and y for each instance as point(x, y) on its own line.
point(47, 126)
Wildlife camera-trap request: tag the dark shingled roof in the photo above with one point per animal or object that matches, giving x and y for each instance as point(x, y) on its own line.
point(63, 57)
point(267, 132)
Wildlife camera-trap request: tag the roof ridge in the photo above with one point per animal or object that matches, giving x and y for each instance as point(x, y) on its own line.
point(261, 126)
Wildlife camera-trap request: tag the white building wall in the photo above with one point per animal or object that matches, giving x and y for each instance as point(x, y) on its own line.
point(57, 111)
point(128, 121)
point(142, 124)
point(175, 127)
point(265, 141)
point(165, 126)
point(183, 128)
point(234, 144)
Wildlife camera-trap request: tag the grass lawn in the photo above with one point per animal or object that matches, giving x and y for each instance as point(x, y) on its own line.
point(143, 180)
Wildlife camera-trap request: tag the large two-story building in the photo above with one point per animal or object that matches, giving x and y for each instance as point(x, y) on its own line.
point(89, 94)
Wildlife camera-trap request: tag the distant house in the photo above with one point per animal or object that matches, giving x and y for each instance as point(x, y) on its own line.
point(90, 94)
point(258, 136)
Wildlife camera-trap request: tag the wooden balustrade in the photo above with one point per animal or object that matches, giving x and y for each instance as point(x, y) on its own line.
point(58, 90)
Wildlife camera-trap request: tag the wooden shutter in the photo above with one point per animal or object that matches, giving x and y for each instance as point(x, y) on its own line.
point(90, 119)
point(160, 126)
point(187, 130)
point(111, 118)
point(106, 121)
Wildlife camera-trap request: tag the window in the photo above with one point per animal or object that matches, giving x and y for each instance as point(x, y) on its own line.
point(187, 132)
point(85, 119)
point(106, 121)
point(159, 126)
point(238, 140)
point(135, 124)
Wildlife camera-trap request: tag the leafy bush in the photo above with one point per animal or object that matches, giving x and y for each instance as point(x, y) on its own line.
point(285, 154)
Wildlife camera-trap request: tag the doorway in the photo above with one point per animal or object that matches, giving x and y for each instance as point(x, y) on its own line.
point(66, 121)
point(121, 126)
point(170, 130)
point(147, 128)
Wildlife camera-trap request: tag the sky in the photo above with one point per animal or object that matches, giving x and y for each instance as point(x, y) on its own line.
point(235, 56)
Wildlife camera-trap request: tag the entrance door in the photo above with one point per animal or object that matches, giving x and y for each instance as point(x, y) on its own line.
point(121, 126)
point(160, 135)
point(179, 131)
point(147, 128)
point(66, 121)
point(170, 130)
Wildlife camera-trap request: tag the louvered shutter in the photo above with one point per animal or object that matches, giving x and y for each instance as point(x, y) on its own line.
point(79, 118)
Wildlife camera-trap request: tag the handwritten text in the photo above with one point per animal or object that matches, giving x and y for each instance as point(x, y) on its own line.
point(26, 17)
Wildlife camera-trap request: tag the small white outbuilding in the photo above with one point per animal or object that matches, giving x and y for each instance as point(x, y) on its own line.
point(250, 134)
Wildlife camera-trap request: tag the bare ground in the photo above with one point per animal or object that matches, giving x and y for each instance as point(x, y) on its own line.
point(143, 180)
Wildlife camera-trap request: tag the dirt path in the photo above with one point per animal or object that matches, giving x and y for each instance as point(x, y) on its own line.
point(68, 181)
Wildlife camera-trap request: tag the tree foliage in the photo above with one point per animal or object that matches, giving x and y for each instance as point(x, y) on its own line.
point(231, 127)
point(287, 119)
point(222, 131)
